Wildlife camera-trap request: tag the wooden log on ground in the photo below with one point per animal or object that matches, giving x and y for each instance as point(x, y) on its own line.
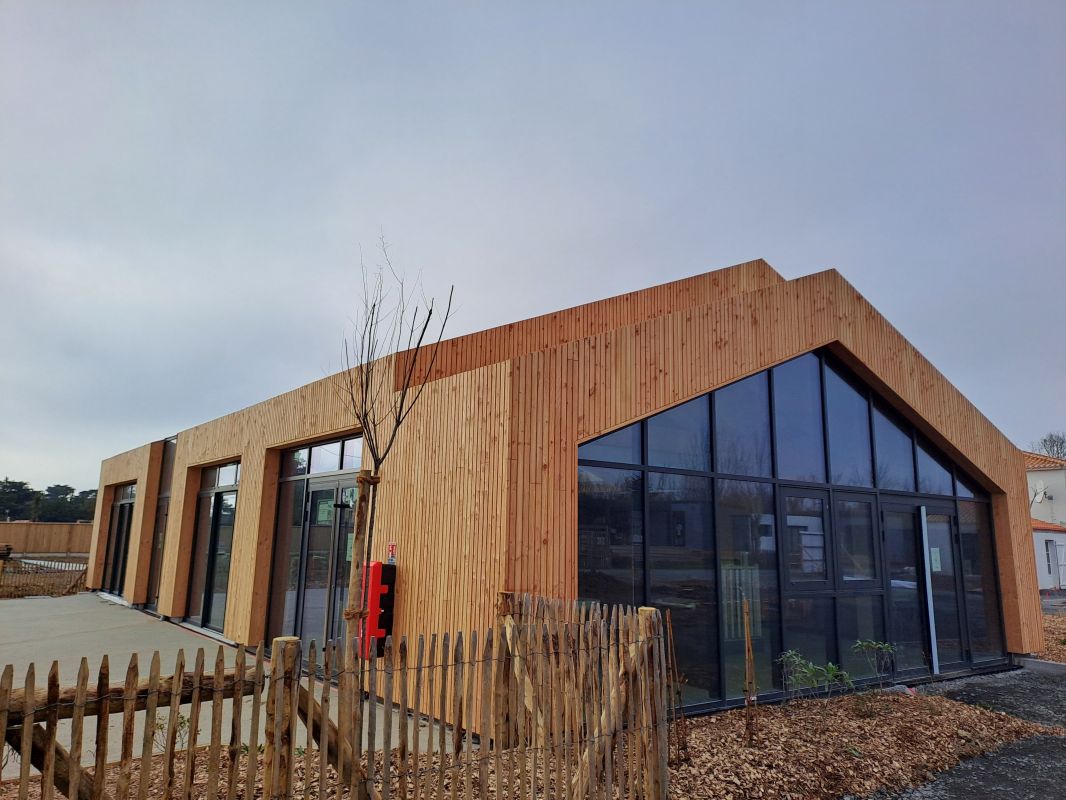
point(62, 765)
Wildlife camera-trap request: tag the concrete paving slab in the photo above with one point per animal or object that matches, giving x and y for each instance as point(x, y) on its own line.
point(41, 630)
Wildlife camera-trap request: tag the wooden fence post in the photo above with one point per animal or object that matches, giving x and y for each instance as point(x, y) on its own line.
point(277, 762)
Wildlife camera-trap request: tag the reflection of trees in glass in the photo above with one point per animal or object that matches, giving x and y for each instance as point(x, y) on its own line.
point(610, 535)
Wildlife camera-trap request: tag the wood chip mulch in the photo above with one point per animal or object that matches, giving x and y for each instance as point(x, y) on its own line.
point(857, 744)
point(1054, 638)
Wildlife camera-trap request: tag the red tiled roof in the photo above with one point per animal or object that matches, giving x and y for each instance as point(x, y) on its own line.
point(1040, 525)
point(1041, 461)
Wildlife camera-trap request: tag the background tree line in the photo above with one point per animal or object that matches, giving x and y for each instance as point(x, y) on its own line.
point(59, 503)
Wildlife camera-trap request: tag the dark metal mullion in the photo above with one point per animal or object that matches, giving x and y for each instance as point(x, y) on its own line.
point(645, 514)
point(718, 589)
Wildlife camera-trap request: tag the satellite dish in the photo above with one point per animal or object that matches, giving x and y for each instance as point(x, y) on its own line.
point(1041, 492)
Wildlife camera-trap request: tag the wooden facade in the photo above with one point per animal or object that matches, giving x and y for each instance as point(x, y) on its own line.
point(481, 493)
point(47, 537)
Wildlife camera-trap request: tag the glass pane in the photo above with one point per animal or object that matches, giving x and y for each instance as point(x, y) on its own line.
point(681, 437)
point(227, 509)
point(945, 593)
point(908, 610)
point(933, 477)
point(805, 537)
point(159, 535)
point(895, 456)
point(294, 463)
point(747, 549)
point(198, 569)
point(227, 475)
point(325, 457)
point(610, 549)
point(285, 581)
point(861, 619)
point(681, 574)
point(621, 446)
point(798, 420)
point(170, 448)
point(809, 628)
point(848, 419)
point(353, 454)
point(978, 571)
point(856, 543)
point(209, 477)
point(344, 543)
point(316, 566)
point(742, 427)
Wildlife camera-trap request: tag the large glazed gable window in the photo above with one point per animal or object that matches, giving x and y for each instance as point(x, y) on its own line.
point(684, 511)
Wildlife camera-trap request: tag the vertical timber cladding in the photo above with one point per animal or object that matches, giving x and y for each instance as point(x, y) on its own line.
point(579, 390)
point(442, 499)
point(140, 466)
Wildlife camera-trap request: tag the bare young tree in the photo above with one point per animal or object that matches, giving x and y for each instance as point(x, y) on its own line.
point(1051, 444)
point(388, 361)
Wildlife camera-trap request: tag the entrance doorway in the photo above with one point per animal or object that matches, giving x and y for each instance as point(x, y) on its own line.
point(925, 588)
point(118, 540)
point(329, 530)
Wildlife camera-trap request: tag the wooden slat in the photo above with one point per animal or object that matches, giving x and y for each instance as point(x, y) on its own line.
point(77, 721)
point(103, 685)
point(51, 720)
point(258, 679)
point(214, 751)
point(194, 725)
point(233, 751)
point(148, 734)
point(309, 714)
point(28, 709)
point(170, 745)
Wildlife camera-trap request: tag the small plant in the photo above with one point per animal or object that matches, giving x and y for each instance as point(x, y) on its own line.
point(879, 657)
point(8, 755)
point(802, 675)
point(181, 733)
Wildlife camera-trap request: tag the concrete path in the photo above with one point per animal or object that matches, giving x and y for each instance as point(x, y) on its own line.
point(41, 630)
point(1032, 769)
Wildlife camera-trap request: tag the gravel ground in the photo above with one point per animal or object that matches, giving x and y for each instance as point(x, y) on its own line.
point(1031, 768)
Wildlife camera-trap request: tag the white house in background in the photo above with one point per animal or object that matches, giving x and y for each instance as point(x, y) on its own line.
point(1047, 496)
point(1050, 541)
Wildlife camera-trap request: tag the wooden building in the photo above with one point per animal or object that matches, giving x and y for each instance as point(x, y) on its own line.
point(729, 435)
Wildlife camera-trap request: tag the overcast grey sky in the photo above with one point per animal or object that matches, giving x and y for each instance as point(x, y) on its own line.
point(185, 188)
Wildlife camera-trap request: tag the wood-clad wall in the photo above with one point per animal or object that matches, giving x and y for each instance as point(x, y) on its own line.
point(568, 394)
point(517, 339)
point(481, 492)
point(47, 537)
point(140, 466)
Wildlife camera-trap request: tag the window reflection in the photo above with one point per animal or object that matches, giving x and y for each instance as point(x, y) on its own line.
point(610, 535)
point(855, 537)
point(742, 427)
point(895, 454)
point(933, 476)
point(805, 535)
point(622, 446)
point(681, 437)
point(861, 619)
point(848, 423)
point(978, 571)
point(798, 420)
point(681, 575)
point(747, 548)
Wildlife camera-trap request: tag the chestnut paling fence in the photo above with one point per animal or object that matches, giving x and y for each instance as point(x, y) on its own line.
point(555, 700)
point(28, 576)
